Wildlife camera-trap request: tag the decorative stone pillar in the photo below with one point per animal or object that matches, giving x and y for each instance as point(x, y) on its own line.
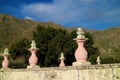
point(5, 62)
point(98, 60)
point(80, 53)
point(62, 64)
point(33, 58)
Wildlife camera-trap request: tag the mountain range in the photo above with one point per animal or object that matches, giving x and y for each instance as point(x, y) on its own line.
point(12, 29)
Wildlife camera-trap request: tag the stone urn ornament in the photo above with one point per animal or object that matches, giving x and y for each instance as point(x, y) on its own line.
point(98, 60)
point(33, 60)
point(81, 54)
point(62, 58)
point(5, 62)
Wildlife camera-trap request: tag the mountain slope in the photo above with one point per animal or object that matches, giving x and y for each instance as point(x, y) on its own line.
point(13, 29)
point(108, 41)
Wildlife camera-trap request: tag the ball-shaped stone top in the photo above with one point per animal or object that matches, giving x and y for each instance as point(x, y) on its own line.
point(98, 59)
point(6, 51)
point(33, 45)
point(80, 34)
point(62, 56)
point(80, 31)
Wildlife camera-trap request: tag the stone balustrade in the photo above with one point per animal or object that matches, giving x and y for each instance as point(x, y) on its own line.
point(90, 72)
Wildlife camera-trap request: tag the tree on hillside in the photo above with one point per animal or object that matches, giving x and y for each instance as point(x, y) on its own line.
point(19, 51)
point(50, 43)
point(43, 37)
point(93, 52)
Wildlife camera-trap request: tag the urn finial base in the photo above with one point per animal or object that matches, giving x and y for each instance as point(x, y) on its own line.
point(81, 63)
point(33, 67)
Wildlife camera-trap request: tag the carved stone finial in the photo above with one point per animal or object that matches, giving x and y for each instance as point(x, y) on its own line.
point(62, 56)
point(33, 58)
point(33, 45)
point(98, 60)
point(81, 54)
point(79, 31)
point(62, 64)
point(5, 62)
point(80, 34)
point(6, 51)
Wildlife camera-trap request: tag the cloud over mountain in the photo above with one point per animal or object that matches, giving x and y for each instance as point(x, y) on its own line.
point(75, 12)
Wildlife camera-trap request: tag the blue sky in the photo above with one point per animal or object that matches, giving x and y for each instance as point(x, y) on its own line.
point(89, 14)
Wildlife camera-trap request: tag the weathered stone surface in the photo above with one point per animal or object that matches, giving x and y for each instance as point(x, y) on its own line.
point(1, 75)
point(116, 73)
point(91, 72)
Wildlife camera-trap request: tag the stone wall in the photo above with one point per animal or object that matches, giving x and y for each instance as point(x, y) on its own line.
point(92, 72)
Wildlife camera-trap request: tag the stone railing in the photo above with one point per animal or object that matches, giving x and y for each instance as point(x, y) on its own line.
point(91, 72)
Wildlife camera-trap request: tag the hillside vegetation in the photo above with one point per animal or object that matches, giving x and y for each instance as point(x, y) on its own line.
point(108, 42)
point(13, 29)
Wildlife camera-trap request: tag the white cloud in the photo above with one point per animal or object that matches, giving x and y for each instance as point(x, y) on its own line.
point(28, 17)
point(71, 11)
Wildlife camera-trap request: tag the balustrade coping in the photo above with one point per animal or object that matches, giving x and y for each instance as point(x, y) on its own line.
point(82, 67)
